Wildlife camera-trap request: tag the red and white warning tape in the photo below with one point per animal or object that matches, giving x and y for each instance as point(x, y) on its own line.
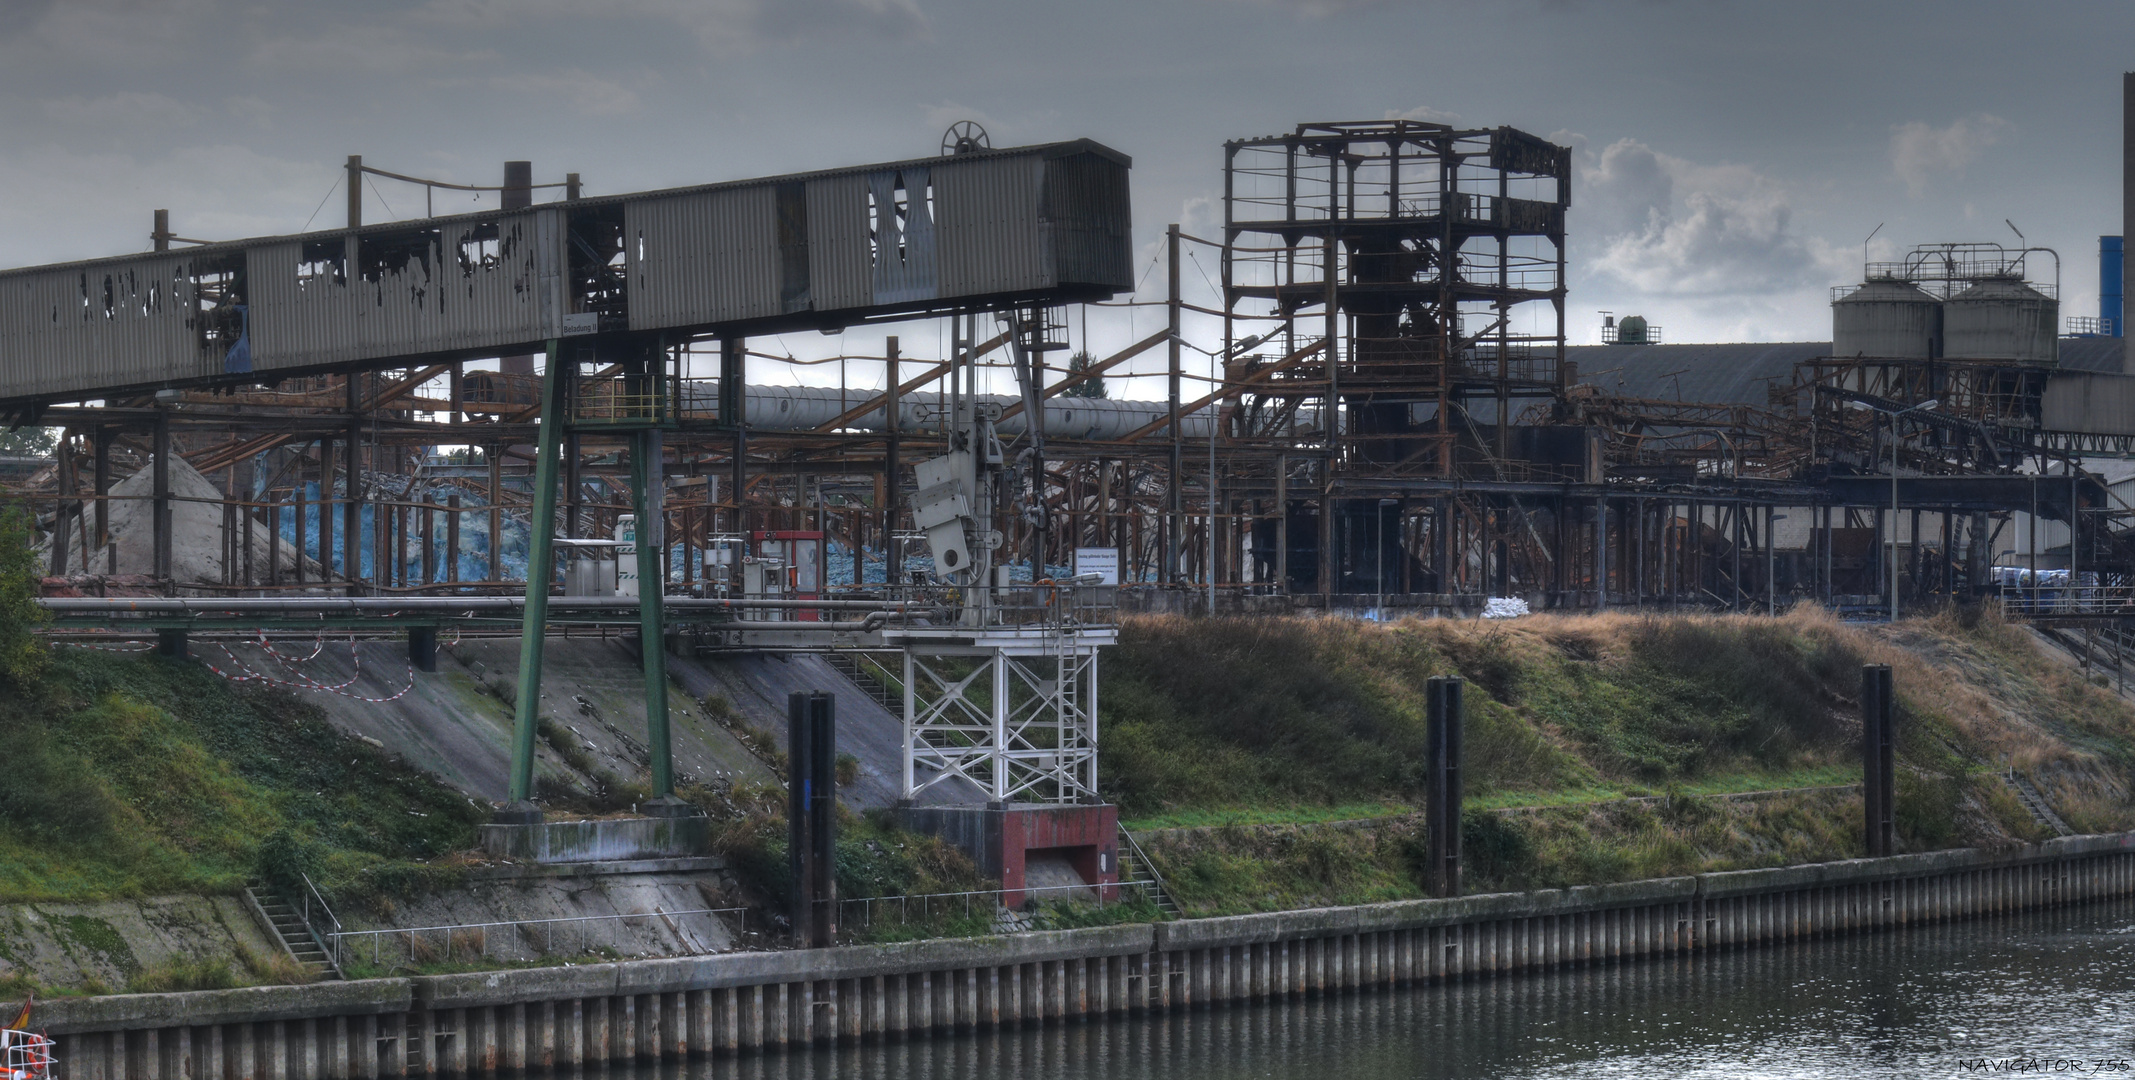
point(301, 680)
point(305, 682)
point(318, 645)
point(140, 646)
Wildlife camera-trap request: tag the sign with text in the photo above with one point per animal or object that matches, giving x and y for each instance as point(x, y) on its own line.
point(1098, 560)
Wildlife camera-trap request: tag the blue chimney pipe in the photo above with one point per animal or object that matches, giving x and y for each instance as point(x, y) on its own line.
point(2111, 276)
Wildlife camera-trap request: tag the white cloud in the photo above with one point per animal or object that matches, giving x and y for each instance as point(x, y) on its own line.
point(1426, 114)
point(1919, 152)
point(1711, 252)
point(1667, 226)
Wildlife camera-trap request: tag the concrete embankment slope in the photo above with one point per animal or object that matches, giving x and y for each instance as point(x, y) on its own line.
point(740, 1002)
point(456, 723)
point(109, 941)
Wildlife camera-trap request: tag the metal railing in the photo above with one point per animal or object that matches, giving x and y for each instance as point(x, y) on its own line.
point(464, 938)
point(1022, 603)
point(1142, 858)
point(2058, 592)
point(314, 911)
point(25, 1055)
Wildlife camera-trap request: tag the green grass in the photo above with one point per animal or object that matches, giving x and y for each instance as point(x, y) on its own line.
point(1253, 720)
point(1277, 761)
point(1199, 818)
point(1811, 776)
point(132, 775)
point(1814, 776)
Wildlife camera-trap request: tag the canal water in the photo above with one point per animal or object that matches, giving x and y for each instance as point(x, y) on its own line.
point(2044, 993)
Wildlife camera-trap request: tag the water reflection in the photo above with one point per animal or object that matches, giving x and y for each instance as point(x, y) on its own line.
point(2054, 985)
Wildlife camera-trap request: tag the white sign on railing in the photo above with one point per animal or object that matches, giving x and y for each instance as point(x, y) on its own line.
point(1103, 561)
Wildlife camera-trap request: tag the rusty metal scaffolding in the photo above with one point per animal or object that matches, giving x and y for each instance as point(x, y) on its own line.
point(1392, 420)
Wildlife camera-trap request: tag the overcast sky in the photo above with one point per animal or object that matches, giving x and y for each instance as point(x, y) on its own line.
point(1732, 155)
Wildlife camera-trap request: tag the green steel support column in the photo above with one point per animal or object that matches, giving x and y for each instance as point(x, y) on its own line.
point(540, 569)
point(647, 488)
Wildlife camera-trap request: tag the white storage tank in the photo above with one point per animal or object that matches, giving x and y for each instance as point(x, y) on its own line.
point(2004, 320)
point(1886, 317)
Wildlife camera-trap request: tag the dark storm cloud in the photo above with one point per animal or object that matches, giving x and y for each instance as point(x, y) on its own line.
point(22, 16)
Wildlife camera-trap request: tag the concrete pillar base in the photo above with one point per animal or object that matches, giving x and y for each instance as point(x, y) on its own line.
point(668, 806)
point(523, 812)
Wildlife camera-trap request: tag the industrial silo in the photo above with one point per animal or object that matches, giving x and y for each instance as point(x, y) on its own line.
point(1886, 318)
point(2004, 320)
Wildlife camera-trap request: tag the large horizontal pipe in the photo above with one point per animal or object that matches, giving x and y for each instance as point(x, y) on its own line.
point(805, 408)
point(167, 605)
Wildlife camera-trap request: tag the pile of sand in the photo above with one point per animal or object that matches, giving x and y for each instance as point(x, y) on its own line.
point(196, 530)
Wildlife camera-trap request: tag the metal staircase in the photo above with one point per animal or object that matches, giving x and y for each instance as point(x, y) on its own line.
point(2036, 804)
point(1136, 869)
point(296, 935)
point(860, 675)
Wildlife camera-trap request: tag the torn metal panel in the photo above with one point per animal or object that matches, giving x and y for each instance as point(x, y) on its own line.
point(80, 328)
point(900, 210)
point(464, 284)
point(1030, 224)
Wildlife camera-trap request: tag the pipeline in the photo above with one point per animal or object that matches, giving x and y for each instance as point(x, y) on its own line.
point(805, 408)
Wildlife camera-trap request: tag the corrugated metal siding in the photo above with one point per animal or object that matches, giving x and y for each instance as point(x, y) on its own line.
point(468, 293)
point(57, 332)
point(841, 271)
point(1727, 374)
point(2094, 354)
point(708, 256)
point(990, 232)
point(713, 258)
point(2093, 403)
point(1091, 221)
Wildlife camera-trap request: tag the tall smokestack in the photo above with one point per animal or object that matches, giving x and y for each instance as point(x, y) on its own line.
point(519, 184)
point(518, 195)
point(2127, 194)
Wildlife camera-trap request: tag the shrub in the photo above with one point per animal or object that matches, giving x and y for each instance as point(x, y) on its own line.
point(22, 652)
point(1494, 848)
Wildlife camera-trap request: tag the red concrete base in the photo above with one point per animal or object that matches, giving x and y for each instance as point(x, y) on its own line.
point(1001, 840)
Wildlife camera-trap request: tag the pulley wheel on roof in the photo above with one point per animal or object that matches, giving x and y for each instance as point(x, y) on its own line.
point(964, 137)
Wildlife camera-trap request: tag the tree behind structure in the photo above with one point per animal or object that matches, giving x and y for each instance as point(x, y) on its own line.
point(28, 442)
point(1088, 388)
point(22, 653)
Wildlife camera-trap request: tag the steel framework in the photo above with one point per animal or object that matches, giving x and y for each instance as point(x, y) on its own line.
point(1015, 715)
